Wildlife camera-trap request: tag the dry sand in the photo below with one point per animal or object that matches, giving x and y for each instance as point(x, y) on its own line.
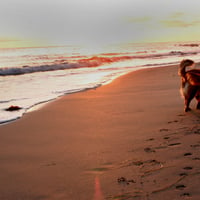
point(126, 140)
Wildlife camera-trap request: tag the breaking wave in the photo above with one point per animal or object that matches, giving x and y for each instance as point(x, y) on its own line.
point(94, 61)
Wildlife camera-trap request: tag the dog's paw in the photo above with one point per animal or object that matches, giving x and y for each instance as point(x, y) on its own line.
point(198, 106)
point(187, 109)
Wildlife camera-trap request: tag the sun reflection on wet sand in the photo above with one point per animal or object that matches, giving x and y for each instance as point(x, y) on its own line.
point(98, 195)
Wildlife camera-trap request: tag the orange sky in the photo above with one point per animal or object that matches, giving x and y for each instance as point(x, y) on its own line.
point(97, 22)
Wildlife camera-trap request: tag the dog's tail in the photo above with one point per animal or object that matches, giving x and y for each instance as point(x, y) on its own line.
point(182, 70)
point(182, 67)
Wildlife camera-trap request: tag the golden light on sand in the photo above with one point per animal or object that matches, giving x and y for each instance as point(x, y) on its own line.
point(98, 195)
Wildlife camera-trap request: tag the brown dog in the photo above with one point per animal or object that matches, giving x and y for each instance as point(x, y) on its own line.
point(190, 83)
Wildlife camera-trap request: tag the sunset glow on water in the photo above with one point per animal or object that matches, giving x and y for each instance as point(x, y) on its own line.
point(30, 76)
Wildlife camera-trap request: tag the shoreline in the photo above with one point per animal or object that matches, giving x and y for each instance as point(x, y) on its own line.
point(126, 139)
point(40, 105)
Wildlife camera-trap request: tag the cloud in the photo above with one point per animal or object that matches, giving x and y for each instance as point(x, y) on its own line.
point(138, 19)
point(180, 20)
point(176, 15)
point(2, 39)
point(179, 23)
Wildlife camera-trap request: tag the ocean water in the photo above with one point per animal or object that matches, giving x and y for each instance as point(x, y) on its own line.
point(31, 76)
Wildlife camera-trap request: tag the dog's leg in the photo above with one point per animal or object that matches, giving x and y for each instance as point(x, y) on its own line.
point(187, 105)
point(198, 105)
point(198, 98)
point(189, 94)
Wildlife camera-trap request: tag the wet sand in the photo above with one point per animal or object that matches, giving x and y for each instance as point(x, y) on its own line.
point(126, 140)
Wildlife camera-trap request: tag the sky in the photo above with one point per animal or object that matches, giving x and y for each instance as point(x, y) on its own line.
point(97, 22)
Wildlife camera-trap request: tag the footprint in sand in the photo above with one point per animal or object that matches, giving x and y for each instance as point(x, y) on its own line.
point(183, 174)
point(150, 166)
point(186, 194)
point(197, 131)
point(195, 145)
point(166, 138)
point(150, 139)
point(123, 180)
point(138, 163)
point(149, 150)
point(174, 144)
point(196, 158)
point(188, 168)
point(180, 187)
point(187, 154)
point(175, 121)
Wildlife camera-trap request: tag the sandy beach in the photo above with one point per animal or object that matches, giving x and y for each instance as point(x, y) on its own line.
point(126, 140)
